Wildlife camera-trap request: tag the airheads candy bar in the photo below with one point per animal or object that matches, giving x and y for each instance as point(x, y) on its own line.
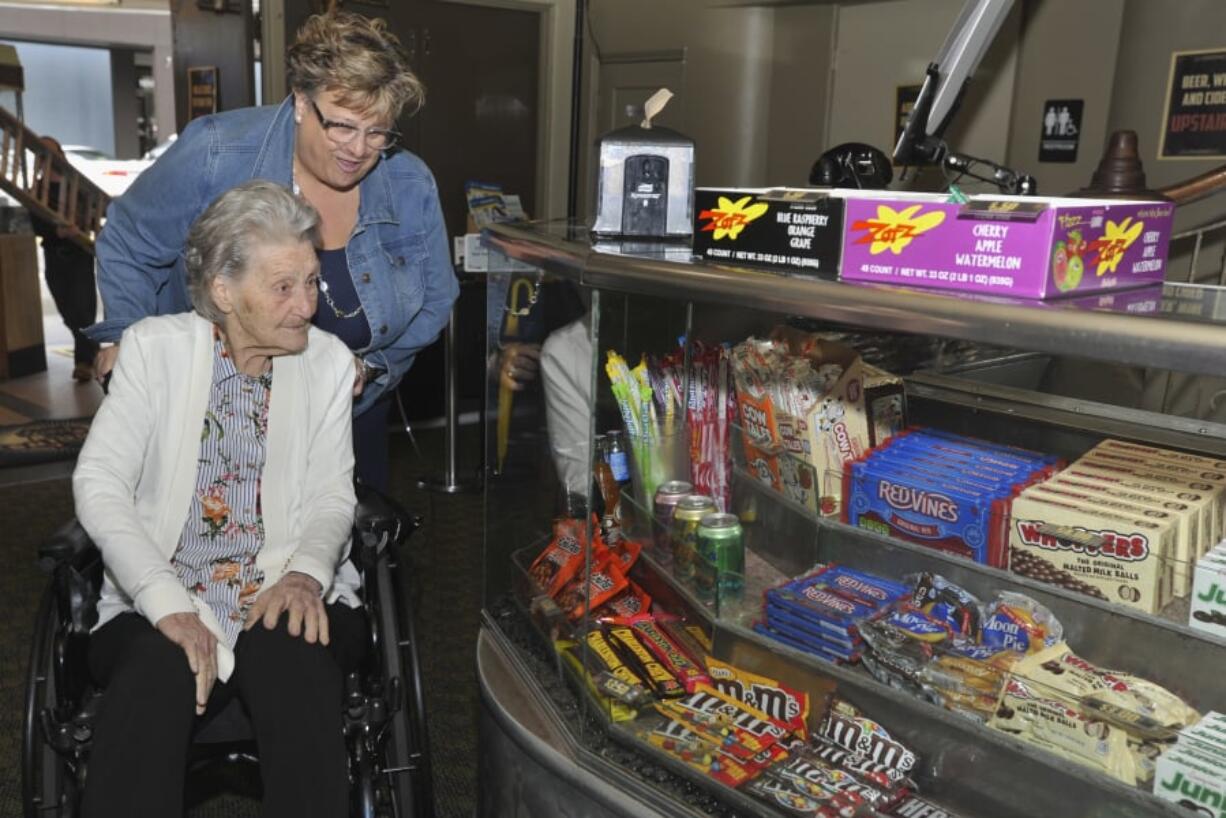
point(909, 506)
point(773, 698)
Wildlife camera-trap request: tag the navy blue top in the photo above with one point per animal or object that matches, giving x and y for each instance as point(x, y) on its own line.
point(334, 272)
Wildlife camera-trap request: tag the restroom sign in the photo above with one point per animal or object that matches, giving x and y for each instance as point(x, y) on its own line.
point(1061, 130)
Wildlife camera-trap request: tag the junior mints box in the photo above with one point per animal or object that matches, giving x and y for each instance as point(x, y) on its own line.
point(1032, 247)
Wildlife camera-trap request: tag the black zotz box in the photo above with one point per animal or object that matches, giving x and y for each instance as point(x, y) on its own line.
point(796, 230)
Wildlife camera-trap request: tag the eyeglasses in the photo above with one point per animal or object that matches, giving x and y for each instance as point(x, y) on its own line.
point(342, 133)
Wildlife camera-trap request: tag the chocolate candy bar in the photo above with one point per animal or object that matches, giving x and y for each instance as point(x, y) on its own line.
point(561, 559)
point(679, 665)
point(773, 698)
point(871, 772)
point(591, 668)
point(750, 727)
point(912, 806)
point(845, 727)
point(657, 677)
point(579, 596)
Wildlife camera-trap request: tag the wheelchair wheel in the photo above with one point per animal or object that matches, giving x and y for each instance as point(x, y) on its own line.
point(406, 755)
point(48, 782)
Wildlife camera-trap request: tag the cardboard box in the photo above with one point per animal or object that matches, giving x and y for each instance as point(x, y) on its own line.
point(1194, 780)
point(794, 229)
point(1208, 612)
point(1032, 247)
point(803, 458)
point(1058, 540)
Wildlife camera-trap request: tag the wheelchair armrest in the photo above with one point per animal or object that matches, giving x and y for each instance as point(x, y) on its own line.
point(378, 515)
point(68, 544)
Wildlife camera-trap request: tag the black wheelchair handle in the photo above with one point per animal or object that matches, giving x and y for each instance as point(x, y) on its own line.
point(378, 514)
point(67, 544)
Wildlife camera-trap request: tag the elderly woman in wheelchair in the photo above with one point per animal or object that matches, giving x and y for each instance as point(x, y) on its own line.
point(217, 483)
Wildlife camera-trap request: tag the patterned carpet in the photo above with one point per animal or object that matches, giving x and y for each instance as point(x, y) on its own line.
point(446, 572)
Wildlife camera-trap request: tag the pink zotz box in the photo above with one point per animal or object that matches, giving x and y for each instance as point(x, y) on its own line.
point(1031, 247)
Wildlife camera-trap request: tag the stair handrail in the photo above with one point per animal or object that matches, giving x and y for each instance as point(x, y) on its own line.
point(28, 168)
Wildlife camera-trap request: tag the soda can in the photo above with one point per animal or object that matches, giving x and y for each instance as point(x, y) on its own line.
point(667, 496)
point(684, 532)
point(719, 563)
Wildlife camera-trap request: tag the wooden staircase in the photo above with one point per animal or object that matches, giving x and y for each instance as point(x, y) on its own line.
point(27, 168)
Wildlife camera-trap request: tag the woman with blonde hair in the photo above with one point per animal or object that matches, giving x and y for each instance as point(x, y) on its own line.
point(387, 282)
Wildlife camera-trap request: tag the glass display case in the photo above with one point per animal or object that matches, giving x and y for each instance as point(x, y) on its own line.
point(899, 656)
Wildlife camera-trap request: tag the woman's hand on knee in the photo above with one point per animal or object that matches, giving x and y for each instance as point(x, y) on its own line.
point(198, 642)
point(298, 596)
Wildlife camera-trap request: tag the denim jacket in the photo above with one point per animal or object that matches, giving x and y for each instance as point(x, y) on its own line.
point(399, 254)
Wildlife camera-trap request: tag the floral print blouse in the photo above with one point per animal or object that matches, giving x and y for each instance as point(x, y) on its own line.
point(224, 532)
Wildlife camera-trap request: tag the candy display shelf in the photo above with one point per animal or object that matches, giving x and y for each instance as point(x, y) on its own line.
point(973, 769)
point(1166, 339)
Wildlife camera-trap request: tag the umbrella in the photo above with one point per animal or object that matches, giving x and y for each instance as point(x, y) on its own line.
point(521, 289)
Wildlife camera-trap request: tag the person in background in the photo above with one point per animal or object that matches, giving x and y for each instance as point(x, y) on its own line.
point(217, 483)
point(387, 282)
point(69, 270)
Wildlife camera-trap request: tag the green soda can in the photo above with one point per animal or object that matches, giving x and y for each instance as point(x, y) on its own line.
point(719, 565)
point(684, 533)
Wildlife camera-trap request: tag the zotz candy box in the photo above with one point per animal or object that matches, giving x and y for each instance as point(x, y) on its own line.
point(799, 230)
point(1029, 247)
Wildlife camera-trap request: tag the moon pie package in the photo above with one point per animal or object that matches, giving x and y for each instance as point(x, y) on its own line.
point(948, 648)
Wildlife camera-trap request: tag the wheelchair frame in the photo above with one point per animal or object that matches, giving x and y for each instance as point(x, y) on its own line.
point(383, 710)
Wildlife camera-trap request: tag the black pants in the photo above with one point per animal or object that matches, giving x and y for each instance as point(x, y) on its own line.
point(371, 459)
point(291, 690)
point(70, 278)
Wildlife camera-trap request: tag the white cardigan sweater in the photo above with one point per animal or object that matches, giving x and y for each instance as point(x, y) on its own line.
point(136, 473)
